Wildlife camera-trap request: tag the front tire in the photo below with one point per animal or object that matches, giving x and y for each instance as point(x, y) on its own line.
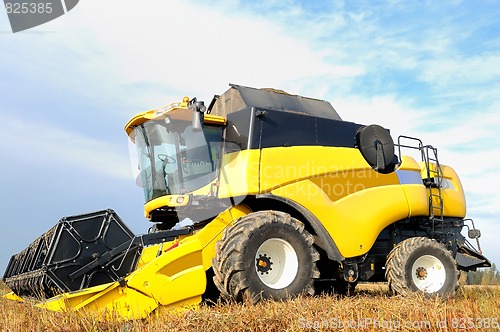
point(422, 265)
point(265, 255)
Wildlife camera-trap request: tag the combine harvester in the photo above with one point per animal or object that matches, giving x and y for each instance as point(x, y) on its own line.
point(262, 195)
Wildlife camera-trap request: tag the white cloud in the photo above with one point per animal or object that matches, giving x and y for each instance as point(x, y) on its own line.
point(187, 49)
point(385, 110)
point(49, 145)
point(455, 70)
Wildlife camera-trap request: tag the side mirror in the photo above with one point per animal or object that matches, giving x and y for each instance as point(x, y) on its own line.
point(474, 233)
point(199, 109)
point(197, 123)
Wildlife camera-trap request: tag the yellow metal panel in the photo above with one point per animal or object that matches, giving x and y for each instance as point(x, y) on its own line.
point(138, 119)
point(355, 221)
point(418, 199)
point(111, 298)
point(12, 296)
point(151, 252)
point(162, 201)
point(240, 173)
point(175, 275)
point(73, 299)
point(178, 111)
point(338, 171)
point(214, 119)
point(124, 301)
point(409, 164)
point(342, 184)
point(415, 191)
point(452, 192)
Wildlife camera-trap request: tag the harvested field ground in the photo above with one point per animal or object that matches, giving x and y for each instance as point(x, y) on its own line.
point(372, 308)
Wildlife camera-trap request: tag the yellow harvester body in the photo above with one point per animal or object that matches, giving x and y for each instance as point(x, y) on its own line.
point(254, 160)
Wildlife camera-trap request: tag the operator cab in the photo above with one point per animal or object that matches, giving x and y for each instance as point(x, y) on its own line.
point(172, 157)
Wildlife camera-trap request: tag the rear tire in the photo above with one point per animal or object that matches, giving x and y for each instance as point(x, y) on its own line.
point(422, 265)
point(265, 255)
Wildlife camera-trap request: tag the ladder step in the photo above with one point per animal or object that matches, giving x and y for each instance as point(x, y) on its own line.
point(430, 182)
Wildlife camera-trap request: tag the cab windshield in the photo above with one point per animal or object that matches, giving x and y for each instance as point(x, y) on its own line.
point(174, 159)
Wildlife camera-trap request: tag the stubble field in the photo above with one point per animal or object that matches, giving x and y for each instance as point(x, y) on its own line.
point(372, 308)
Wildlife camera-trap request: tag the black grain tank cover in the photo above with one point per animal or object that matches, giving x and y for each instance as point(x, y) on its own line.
point(239, 97)
point(264, 118)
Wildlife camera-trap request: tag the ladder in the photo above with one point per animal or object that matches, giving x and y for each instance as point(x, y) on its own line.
point(434, 182)
point(434, 178)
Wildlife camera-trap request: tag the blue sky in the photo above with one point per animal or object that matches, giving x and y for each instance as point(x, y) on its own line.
point(429, 69)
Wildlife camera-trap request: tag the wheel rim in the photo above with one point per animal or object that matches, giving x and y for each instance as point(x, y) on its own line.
point(276, 263)
point(428, 274)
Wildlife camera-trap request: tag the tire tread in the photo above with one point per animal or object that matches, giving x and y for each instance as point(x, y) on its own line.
point(229, 273)
point(397, 258)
